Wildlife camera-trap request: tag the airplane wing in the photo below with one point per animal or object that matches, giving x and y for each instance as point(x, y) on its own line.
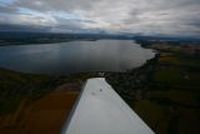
point(100, 110)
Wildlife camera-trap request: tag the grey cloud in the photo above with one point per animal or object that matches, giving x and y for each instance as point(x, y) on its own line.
point(66, 5)
point(10, 27)
point(136, 16)
point(7, 9)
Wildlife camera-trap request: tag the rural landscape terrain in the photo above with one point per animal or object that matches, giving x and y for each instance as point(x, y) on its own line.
point(164, 92)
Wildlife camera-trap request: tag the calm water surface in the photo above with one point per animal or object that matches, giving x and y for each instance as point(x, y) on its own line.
point(74, 57)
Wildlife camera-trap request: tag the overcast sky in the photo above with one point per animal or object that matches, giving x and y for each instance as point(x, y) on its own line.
point(168, 17)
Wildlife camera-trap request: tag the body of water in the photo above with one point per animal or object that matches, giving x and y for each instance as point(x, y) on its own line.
point(74, 57)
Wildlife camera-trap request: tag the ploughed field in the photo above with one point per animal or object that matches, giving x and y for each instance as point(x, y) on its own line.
point(43, 115)
point(36, 104)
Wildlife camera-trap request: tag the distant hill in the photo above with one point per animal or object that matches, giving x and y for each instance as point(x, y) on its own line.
point(11, 37)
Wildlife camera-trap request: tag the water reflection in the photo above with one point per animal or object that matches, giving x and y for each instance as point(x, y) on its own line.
point(73, 57)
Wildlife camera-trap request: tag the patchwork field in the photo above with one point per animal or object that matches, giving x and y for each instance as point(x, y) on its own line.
point(172, 105)
point(165, 92)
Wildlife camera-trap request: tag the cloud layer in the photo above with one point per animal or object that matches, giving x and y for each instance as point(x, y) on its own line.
point(174, 17)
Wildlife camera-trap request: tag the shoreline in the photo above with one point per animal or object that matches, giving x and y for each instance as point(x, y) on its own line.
point(160, 91)
point(83, 72)
point(17, 80)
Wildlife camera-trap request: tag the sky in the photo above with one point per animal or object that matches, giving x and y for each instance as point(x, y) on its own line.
point(147, 17)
